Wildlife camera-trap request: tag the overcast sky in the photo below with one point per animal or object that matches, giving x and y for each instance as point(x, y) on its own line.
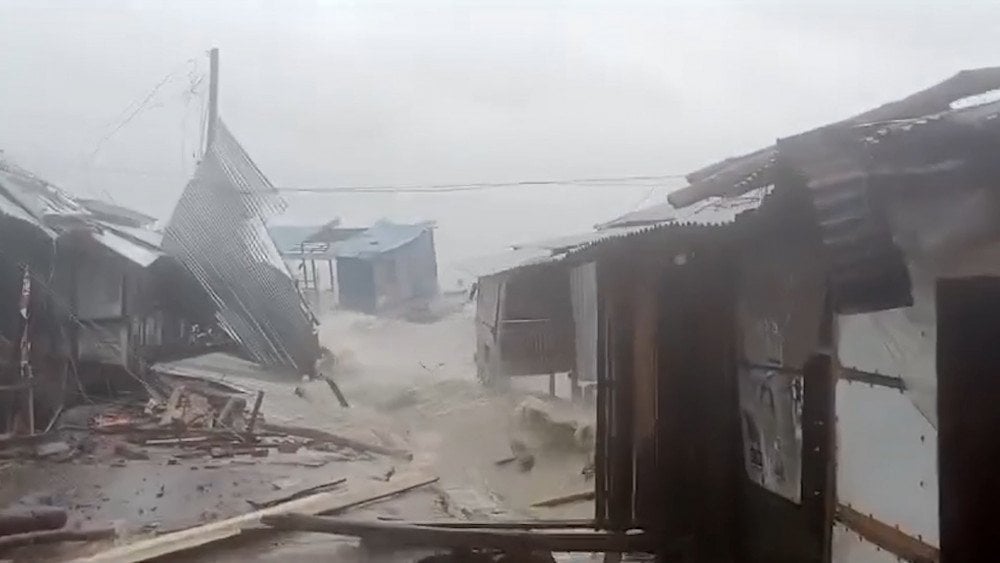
point(415, 92)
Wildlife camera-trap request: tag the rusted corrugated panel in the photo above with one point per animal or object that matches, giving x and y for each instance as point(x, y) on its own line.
point(217, 231)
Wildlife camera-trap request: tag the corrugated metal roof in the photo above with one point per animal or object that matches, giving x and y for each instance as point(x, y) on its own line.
point(289, 238)
point(715, 212)
point(140, 254)
point(711, 212)
point(380, 237)
point(738, 175)
point(513, 259)
point(217, 232)
point(26, 197)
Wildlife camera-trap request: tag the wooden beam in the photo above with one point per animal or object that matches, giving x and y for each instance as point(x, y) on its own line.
point(565, 499)
point(336, 439)
point(322, 503)
point(53, 536)
point(402, 534)
point(581, 523)
point(887, 537)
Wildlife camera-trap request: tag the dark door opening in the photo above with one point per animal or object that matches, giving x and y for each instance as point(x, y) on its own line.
point(968, 400)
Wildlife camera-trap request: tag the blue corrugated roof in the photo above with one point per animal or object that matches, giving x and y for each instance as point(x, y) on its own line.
point(288, 238)
point(380, 237)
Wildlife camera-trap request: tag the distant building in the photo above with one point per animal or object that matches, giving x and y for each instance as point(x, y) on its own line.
point(387, 265)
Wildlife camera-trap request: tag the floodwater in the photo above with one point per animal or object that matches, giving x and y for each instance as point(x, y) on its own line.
point(410, 385)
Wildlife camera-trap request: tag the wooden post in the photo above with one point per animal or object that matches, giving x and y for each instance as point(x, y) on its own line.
point(552, 384)
point(213, 96)
point(255, 413)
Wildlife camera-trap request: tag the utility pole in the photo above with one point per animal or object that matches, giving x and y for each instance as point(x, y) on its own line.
point(213, 96)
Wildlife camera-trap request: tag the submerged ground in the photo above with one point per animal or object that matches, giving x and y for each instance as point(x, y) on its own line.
point(410, 384)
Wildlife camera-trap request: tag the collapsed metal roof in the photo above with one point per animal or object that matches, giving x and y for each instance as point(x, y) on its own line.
point(54, 212)
point(217, 232)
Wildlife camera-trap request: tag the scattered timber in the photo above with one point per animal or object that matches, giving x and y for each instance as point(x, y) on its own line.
point(337, 440)
point(321, 503)
point(518, 541)
point(566, 499)
point(30, 519)
point(53, 536)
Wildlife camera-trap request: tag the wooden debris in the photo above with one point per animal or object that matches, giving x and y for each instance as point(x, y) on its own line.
point(508, 540)
point(320, 503)
point(30, 519)
point(129, 452)
point(52, 536)
point(255, 413)
point(51, 449)
point(296, 494)
point(183, 441)
point(233, 405)
point(289, 447)
point(505, 460)
point(172, 410)
point(342, 441)
point(336, 391)
point(565, 499)
point(582, 523)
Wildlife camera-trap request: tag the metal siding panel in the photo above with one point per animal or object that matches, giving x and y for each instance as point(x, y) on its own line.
point(887, 459)
point(898, 343)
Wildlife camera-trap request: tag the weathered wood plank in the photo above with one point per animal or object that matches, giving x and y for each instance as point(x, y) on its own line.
point(322, 503)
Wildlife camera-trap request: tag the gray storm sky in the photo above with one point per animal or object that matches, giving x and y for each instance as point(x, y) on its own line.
point(410, 92)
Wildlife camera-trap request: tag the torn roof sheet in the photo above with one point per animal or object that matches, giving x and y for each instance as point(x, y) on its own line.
point(381, 237)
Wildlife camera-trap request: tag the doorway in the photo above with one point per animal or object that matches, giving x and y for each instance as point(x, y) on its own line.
point(968, 401)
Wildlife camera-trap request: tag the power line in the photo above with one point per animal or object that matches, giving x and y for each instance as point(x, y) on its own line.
point(476, 186)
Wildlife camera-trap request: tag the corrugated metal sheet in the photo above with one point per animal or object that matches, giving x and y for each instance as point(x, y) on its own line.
point(713, 212)
point(140, 254)
point(217, 232)
point(380, 237)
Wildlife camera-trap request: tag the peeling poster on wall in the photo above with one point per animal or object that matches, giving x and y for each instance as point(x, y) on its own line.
point(771, 422)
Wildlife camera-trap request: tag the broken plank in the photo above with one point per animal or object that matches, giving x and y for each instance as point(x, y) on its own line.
point(565, 499)
point(295, 494)
point(336, 391)
point(337, 440)
point(31, 518)
point(321, 503)
point(53, 536)
point(404, 534)
point(580, 523)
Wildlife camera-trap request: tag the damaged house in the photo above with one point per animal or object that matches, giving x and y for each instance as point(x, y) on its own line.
point(811, 378)
point(87, 293)
point(91, 295)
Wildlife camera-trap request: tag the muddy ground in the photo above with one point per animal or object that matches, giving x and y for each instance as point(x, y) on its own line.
point(411, 385)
